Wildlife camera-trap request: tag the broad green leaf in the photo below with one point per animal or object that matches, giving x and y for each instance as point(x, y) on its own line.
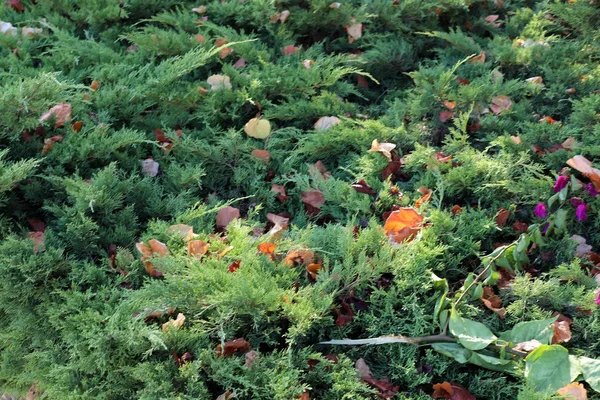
point(453, 350)
point(552, 200)
point(471, 334)
point(549, 368)
point(591, 372)
point(541, 331)
point(477, 292)
point(561, 220)
point(493, 363)
point(502, 262)
point(562, 195)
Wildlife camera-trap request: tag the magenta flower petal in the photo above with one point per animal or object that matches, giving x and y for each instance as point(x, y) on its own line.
point(581, 212)
point(591, 190)
point(576, 201)
point(561, 183)
point(540, 210)
point(598, 297)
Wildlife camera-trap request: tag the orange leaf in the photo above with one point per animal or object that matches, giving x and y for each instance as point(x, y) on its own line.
point(403, 224)
point(289, 50)
point(223, 53)
point(583, 165)
point(299, 257)
point(562, 332)
point(516, 139)
point(197, 248)
point(456, 209)
point(383, 148)
point(199, 9)
point(94, 85)
point(451, 391)
point(449, 105)
point(232, 347)
point(184, 231)
point(426, 195)
point(502, 217)
point(149, 250)
point(313, 270)
point(573, 391)
point(445, 116)
point(262, 155)
point(479, 59)
point(493, 302)
point(77, 126)
point(225, 216)
point(61, 114)
point(234, 266)
point(267, 248)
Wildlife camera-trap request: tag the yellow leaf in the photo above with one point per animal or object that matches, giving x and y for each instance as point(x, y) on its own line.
point(174, 323)
point(258, 128)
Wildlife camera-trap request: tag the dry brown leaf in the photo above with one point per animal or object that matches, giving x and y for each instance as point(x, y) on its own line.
point(77, 126)
point(154, 247)
point(284, 16)
point(502, 217)
point(280, 190)
point(173, 323)
point(516, 139)
point(335, 4)
point(184, 231)
point(225, 251)
point(500, 103)
point(478, 59)
point(225, 216)
point(234, 346)
point(537, 80)
point(228, 395)
point(49, 143)
point(325, 123)
point(199, 9)
point(251, 358)
point(313, 270)
point(573, 391)
point(583, 165)
point(425, 196)
point(354, 32)
point(528, 346)
point(279, 224)
point(61, 114)
point(262, 155)
point(299, 257)
point(197, 248)
point(218, 82)
point(493, 302)
point(313, 200)
point(562, 332)
point(451, 391)
point(38, 240)
point(383, 148)
point(403, 224)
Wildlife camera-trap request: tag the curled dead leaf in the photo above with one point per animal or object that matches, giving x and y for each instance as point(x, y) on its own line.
point(219, 82)
point(383, 148)
point(500, 104)
point(325, 123)
point(583, 165)
point(267, 248)
point(262, 155)
point(403, 224)
point(299, 257)
point(425, 196)
point(279, 224)
point(197, 248)
point(493, 302)
point(313, 270)
point(174, 324)
point(313, 200)
point(354, 32)
point(186, 232)
point(281, 194)
point(528, 346)
point(289, 50)
point(562, 331)
point(61, 114)
point(478, 59)
point(50, 142)
point(225, 216)
point(152, 249)
point(451, 391)
point(502, 217)
point(150, 167)
point(232, 347)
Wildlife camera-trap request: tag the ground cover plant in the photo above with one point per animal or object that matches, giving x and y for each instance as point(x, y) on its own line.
point(238, 199)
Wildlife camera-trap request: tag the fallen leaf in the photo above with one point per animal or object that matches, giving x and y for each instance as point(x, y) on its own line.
point(528, 346)
point(258, 128)
point(284, 16)
point(456, 209)
point(386, 389)
point(94, 85)
point(462, 81)
point(61, 114)
point(15, 5)
point(493, 302)
point(199, 9)
point(451, 391)
point(569, 143)
point(299, 257)
point(234, 346)
point(197, 248)
point(319, 169)
point(537, 80)
point(262, 155)
point(77, 126)
point(449, 105)
point(250, 358)
point(383, 148)
point(445, 116)
point(313, 200)
point(491, 19)
point(228, 395)
point(186, 232)
point(240, 63)
point(346, 317)
point(573, 391)
point(7, 28)
point(150, 167)
point(223, 53)
point(307, 64)
point(478, 59)
point(218, 82)
point(403, 224)
point(502, 217)
point(325, 123)
point(199, 38)
point(425, 196)
point(499, 104)
point(335, 4)
point(154, 247)
point(267, 248)
point(354, 32)
point(562, 332)
point(583, 165)
point(515, 139)
point(313, 270)
point(280, 190)
point(362, 187)
point(583, 248)
point(225, 216)
point(279, 224)
point(362, 81)
point(289, 50)
point(225, 251)
point(49, 143)
point(38, 240)
point(234, 266)
point(174, 323)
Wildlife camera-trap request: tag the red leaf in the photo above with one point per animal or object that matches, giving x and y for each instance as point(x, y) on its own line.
point(362, 187)
point(15, 5)
point(225, 216)
point(445, 116)
point(234, 346)
point(346, 317)
point(289, 50)
point(451, 391)
point(520, 227)
point(234, 266)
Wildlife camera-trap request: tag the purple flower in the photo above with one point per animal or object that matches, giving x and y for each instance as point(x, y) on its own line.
point(561, 183)
point(591, 190)
point(581, 212)
point(597, 297)
point(576, 201)
point(540, 210)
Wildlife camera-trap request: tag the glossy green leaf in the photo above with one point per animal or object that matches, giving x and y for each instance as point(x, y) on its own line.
point(471, 334)
point(541, 331)
point(549, 368)
point(591, 372)
point(453, 350)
